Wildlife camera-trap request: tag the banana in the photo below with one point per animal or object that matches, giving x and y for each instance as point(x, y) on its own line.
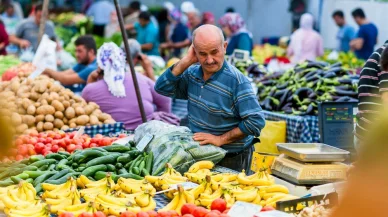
point(50, 187)
point(177, 178)
point(229, 199)
point(257, 200)
point(201, 165)
point(143, 200)
point(95, 191)
point(118, 210)
point(276, 188)
point(189, 197)
point(245, 195)
point(215, 195)
point(275, 198)
point(82, 181)
point(172, 205)
point(256, 180)
point(182, 199)
point(198, 190)
point(77, 207)
point(218, 177)
point(169, 194)
point(151, 206)
point(205, 202)
point(267, 196)
point(151, 179)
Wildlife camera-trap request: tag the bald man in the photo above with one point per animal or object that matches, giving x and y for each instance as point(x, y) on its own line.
point(223, 109)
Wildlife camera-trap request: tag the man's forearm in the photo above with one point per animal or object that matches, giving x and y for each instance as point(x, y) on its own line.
point(182, 44)
point(148, 46)
point(14, 40)
point(232, 136)
point(180, 67)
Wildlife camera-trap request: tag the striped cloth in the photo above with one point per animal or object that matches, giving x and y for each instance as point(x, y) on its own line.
point(216, 106)
point(372, 82)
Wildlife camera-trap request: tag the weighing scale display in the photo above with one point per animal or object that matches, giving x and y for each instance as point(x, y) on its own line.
point(338, 114)
point(239, 55)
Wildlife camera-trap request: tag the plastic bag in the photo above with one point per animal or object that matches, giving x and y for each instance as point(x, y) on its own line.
point(27, 55)
point(175, 145)
point(66, 60)
point(45, 56)
point(273, 132)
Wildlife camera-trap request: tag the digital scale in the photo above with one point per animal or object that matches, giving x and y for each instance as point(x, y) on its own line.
point(310, 164)
point(238, 56)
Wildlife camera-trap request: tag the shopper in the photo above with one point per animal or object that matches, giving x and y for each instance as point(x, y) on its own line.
point(187, 7)
point(346, 32)
point(147, 34)
point(178, 36)
point(100, 11)
point(113, 90)
point(366, 38)
point(194, 19)
point(75, 78)
point(10, 19)
point(372, 91)
point(208, 18)
point(133, 17)
point(27, 31)
point(164, 25)
point(223, 107)
point(238, 36)
point(3, 39)
point(306, 43)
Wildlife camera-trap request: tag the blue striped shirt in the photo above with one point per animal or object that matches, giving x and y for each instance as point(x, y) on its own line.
point(223, 102)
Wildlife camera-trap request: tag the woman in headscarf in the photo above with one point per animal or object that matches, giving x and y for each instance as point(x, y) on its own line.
point(306, 43)
point(111, 87)
point(208, 18)
point(238, 36)
point(178, 36)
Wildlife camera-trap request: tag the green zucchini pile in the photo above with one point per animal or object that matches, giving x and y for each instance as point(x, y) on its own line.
point(55, 168)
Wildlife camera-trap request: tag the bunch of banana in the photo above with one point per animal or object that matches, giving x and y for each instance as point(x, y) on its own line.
point(199, 170)
point(20, 196)
point(205, 199)
point(34, 210)
point(145, 201)
point(112, 205)
point(78, 209)
point(201, 165)
point(59, 203)
point(229, 199)
point(131, 186)
point(261, 178)
point(93, 188)
point(249, 195)
point(82, 181)
point(169, 177)
point(59, 191)
point(3, 192)
point(181, 197)
point(271, 201)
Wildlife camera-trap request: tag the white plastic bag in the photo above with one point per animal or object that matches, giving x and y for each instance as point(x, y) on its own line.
point(45, 56)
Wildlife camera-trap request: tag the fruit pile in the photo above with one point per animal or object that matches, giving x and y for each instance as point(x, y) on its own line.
point(56, 168)
point(51, 142)
point(261, 53)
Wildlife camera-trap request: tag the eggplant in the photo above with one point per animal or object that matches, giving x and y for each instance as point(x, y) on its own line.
point(313, 78)
point(344, 87)
point(303, 92)
point(338, 64)
point(345, 81)
point(310, 110)
point(282, 86)
point(312, 73)
point(268, 82)
point(346, 99)
point(317, 64)
point(312, 95)
point(330, 75)
point(341, 92)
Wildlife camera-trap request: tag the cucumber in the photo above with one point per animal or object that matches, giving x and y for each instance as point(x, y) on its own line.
point(74, 165)
point(139, 161)
point(61, 163)
point(136, 170)
point(116, 148)
point(35, 158)
point(29, 180)
point(82, 165)
point(80, 169)
point(6, 182)
point(124, 159)
point(42, 178)
point(55, 156)
point(127, 176)
point(90, 171)
point(126, 166)
point(44, 167)
point(15, 171)
point(141, 166)
point(144, 172)
point(133, 163)
point(63, 179)
point(60, 174)
point(18, 178)
point(101, 174)
point(150, 159)
point(34, 174)
point(119, 166)
point(65, 154)
point(25, 161)
point(122, 171)
point(43, 162)
point(51, 167)
point(109, 159)
point(84, 155)
point(111, 167)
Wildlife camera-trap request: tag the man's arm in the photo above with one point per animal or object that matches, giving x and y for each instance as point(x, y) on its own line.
point(182, 44)
point(65, 78)
point(227, 138)
point(19, 42)
point(357, 43)
point(147, 46)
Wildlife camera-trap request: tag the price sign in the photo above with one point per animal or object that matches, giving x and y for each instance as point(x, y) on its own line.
point(144, 142)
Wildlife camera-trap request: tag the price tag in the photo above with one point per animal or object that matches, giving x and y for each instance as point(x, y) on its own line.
point(144, 142)
point(185, 185)
point(123, 141)
point(242, 209)
point(80, 132)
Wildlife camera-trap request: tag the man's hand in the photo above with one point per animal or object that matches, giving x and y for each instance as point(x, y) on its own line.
point(165, 45)
point(185, 62)
point(206, 138)
point(24, 43)
point(146, 63)
point(191, 56)
point(47, 72)
point(93, 77)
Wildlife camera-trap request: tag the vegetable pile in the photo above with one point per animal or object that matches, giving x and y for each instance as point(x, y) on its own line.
point(22, 70)
point(7, 62)
point(37, 105)
point(348, 59)
point(297, 91)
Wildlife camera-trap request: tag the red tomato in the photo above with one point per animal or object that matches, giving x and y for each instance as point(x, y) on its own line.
point(188, 208)
point(26, 139)
point(122, 136)
point(226, 211)
point(164, 214)
point(61, 149)
point(33, 140)
point(62, 143)
point(19, 157)
point(218, 204)
point(187, 215)
point(200, 212)
point(68, 141)
point(106, 142)
point(267, 208)
point(18, 142)
point(86, 214)
point(49, 140)
point(42, 140)
point(23, 150)
point(31, 149)
point(93, 145)
point(51, 134)
point(58, 136)
point(224, 215)
point(70, 148)
point(173, 213)
point(34, 134)
point(212, 214)
point(99, 214)
point(39, 147)
point(78, 147)
point(66, 214)
point(142, 214)
point(152, 213)
point(98, 136)
point(47, 152)
point(55, 148)
point(86, 145)
point(216, 211)
point(128, 214)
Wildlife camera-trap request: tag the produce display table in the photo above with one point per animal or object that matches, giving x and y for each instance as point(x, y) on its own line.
point(300, 129)
point(104, 129)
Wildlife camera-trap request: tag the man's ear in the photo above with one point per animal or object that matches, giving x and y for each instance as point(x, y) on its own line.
point(225, 45)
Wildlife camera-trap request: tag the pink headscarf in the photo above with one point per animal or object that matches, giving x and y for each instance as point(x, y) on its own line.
point(232, 20)
point(208, 18)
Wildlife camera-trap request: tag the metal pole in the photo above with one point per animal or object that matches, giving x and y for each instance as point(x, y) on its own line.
point(129, 59)
point(43, 19)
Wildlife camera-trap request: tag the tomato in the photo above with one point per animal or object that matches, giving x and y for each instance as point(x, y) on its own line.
point(267, 208)
point(128, 214)
point(200, 212)
point(58, 136)
point(39, 147)
point(33, 140)
point(68, 141)
point(226, 211)
point(23, 150)
point(152, 213)
point(51, 134)
point(41, 140)
point(25, 139)
point(218, 204)
point(99, 214)
point(86, 214)
point(49, 140)
point(34, 134)
point(78, 147)
point(216, 211)
point(212, 214)
point(86, 145)
point(19, 142)
point(188, 208)
point(142, 214)
point(224, 215)
point(62, 143)
point(66, 214)
point(164, 214)
point(31, 149)
point(106, 142)
point(55, 148)
point(19, 157)
point(98, 136)
point(92, 145)
point(173, 213)
point(70, 148)
point(61, 149)
point(187, 215)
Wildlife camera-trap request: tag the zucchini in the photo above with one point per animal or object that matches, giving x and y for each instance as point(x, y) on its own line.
point(90, 171)
point(111, 167)
point(29, 180)
point(43, 162)
point(141, 166)
point(81, 157)
point(116, 148)
point(61, 180)
point(55, 156)
point(65, 154)
point(51, 167)
point(101, 174)
point(18, 178)
point(44, 167)
point(133, 163)
point(6, 182)
point(150, 159)
point(34, 174)
point(109, 159)
point(60, 174)
point(80, 169)
point(124, 159)
point(42, 178)
point(136, 171)
point(122, 171)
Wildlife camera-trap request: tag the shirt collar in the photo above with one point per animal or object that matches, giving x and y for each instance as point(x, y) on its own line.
point(386, 42)
point(199, 73)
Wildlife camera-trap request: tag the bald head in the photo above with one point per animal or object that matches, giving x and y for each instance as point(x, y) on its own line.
point(207, 33)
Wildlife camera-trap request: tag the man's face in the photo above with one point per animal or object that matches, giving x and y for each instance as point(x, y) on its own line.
point(10, 11)
point(358, 20)
point(82, 54)
point(193, 19)
point(210, 54)
point(143, 22)
point(38, 16)
point(339, 20)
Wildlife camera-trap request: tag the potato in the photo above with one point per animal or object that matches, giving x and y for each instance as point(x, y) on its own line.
point(41, 87)
point(34, 96)
point(37, 104)
point(45, 110)
point(95, 106)
point(49, 118)
point(29, 120)
point(58, 105)
point(65, 121)
point(97, 112)
point(66, 104)
point(21, 111)
point(21, 128)
point(82, 120)
point(55, 88)
point(15, 85)
point(71, 101)
point(70, 113)
point(93, 120)
point(48, 126)
point(88, 109)
point(71, 121)
point(26, 103)
point(58, 123)
point(72, 125)
point(44, 102)
point(39, 118)
point(79, 111)
point(109, 121)
point(31, 109)
point(39, 127)
point(64, 127)
point(58, 115)
point(102, 117)
point(44, 96)
point(16, 119)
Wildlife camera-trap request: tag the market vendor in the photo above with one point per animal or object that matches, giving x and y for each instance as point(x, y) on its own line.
point(113, 90)
point(223, 109)
point(27, 31)
point(76, 77)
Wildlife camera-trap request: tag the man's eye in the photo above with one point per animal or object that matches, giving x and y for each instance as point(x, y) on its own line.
point(202, 54)
point(214, 52)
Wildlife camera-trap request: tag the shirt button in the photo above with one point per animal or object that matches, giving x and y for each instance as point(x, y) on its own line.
point(200, 96)
point(201, 86)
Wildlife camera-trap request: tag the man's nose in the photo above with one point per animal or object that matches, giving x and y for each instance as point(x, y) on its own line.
point(209, 60)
